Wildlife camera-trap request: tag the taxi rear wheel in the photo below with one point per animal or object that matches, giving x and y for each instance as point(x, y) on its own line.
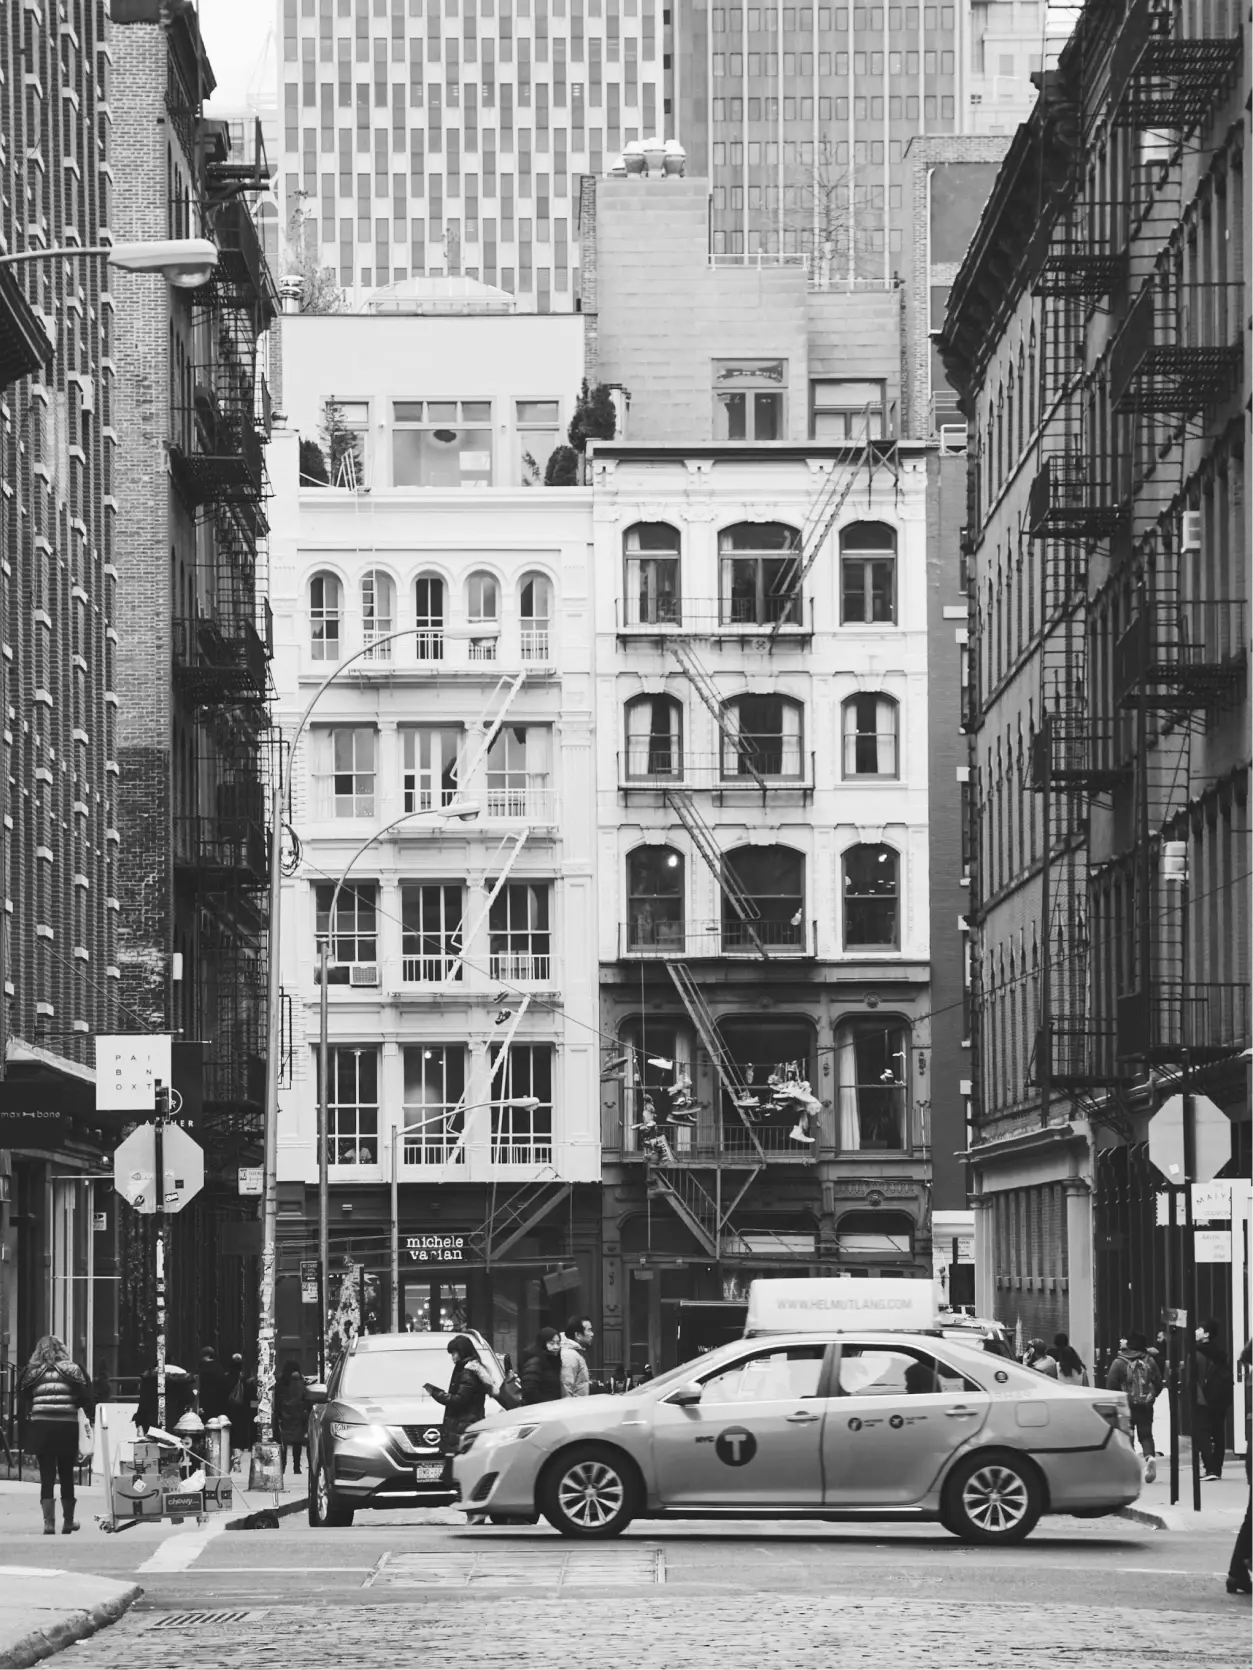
point(589, 1492)
point(992, 1498)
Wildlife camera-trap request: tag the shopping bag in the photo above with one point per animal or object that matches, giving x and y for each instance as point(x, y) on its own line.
point(86, 1438)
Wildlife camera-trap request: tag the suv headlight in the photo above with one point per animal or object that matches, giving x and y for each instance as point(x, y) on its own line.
point(360, 1432)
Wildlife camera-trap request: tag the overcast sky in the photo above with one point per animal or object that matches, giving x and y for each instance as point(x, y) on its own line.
point(235, 33)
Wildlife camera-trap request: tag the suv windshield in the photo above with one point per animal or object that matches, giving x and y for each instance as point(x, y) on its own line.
point(398, 1373)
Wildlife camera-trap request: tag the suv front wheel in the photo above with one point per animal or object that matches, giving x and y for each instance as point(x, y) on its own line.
point(589, 1492)
point(326, 1511)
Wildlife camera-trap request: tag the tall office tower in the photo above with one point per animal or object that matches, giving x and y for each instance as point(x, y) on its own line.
point(428, 138)
point(800, 115)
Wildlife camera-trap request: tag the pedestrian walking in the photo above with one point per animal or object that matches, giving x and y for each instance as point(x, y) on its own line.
point(1070, 1369)
point(576, 1380)
point(55, 1388)
point(180, 1396)
point(464, 1402)
point(1136, 1373)
point(1039, 1359)
point(541, 1372)
point(240, 1394)
point(212, 1387)
point(1213, 1398)
point(1239, 1580)
point(291, 1417)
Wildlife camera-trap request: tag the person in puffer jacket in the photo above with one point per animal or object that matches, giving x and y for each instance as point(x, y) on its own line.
point(55, 1388)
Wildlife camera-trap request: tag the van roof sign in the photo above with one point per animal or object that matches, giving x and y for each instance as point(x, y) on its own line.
point(827, 1304)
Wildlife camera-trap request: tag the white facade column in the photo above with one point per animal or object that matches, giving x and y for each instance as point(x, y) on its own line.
point(1082, 1308)
point(985, 1256)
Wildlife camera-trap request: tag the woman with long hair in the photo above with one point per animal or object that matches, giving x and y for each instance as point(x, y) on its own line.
point(465, 1401)
point(541, 1372)
point(54, 1389)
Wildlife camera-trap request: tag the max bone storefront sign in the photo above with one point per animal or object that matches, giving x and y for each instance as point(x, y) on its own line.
point(436, 1249)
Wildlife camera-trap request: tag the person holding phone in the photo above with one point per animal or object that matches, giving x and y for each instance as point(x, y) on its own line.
point(465, 1400)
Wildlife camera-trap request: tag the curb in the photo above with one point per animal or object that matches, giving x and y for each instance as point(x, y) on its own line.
point(283, 1511)
point(1142, 1516)
point(77, 1626)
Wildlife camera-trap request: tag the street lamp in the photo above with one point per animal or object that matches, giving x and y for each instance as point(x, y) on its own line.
point(457, 810)
point(187, 263)
point(530, 1103)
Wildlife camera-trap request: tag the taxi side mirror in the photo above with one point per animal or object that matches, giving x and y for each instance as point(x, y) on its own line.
point(315, 1394)
point(687, 1395)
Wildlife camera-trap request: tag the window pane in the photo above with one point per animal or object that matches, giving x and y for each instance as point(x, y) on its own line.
point(883, 590)
point(441, 411)
point(768, 417)
point(407, 411)
point(537, 411)
point(788, 1373)
point(730, 417)
point(444, 457)
point(476, 411)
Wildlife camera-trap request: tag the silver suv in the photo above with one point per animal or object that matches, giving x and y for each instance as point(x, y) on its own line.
point(374, 1429)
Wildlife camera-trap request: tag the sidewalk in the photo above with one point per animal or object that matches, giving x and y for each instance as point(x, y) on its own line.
point(1222, 1504)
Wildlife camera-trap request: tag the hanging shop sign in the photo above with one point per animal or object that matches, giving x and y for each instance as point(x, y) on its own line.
point(437, 1249)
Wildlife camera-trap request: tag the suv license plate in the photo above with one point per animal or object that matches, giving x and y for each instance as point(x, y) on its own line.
point(428, 1472)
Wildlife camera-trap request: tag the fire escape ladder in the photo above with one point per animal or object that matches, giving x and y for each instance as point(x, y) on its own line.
point(528, 1206)
point(488, 724)
point(498, 1061)
point(702, 838)
point(694, 1206)
point(743, 749)
point(729, 1076)
point(511, 846)
point(824, 509)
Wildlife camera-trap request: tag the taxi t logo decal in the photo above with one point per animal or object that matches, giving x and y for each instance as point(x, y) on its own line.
point(736, 1446)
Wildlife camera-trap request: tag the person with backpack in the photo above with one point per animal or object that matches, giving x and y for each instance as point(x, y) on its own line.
point(54, 1388)
point(1136, 1373)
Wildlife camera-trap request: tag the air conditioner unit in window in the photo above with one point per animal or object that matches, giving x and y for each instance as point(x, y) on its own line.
point(1190, 530)
point(363, 974)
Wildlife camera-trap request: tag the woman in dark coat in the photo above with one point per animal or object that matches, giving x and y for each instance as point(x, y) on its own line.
point(291, 1416)
point(465, 1400)
point(54, 1389)
point(241, 1394)
point(541, 1372)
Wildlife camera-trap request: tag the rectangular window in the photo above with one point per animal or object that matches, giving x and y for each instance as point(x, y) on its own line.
point(346, 771)
point(870, 1059)
point(522, 1119)
point(749, 400)
point(766, 738)
point(520, 940)
point(430, 756)
point(353, 1106)
point(519, 773)
point(759, 590)
point(354, 938)
point(867, 590)
point(841, 411)
point(538, 427)
point(434, 1127)
point(431, 943)
point(870, 736)
point(442, 443)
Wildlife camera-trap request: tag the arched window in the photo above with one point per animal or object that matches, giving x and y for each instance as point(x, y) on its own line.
point(653, 596)
point(429, 619)
point(871, 1063)
point(759, 564)
point(867, 574)
point(535, 600)
point(871, 898)
point(654, 737)
point(771, 882)
point(764, 737)
point(483, 612)
point(326, 614)
point(378, 613)
point(655, 915)
point(871, 726)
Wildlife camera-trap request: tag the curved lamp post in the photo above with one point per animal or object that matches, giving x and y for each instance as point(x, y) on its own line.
point(187, 263)
point(462, 810)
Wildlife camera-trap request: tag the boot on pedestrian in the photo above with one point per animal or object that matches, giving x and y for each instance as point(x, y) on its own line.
point(69, 1523)
point(50, 1516)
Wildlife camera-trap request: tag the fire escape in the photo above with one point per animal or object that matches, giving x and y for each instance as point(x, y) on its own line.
point(222, 644)
point(705, 1184)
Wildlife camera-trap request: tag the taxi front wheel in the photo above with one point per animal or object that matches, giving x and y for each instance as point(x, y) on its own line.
point(589, 1492)
point(995, 1497)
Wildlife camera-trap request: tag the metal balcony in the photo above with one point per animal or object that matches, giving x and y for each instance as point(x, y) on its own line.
point(784, 940)
point(711, 1142)
point(1177, 1021)
point(1075, 753)
point(1159, 78)
point(218, 660)
point(1078, 1054)
point(241, 278)
point(1072, 497)
point(713, 617)
point(1075, 272)
point(1179, 349)
point(1182, 655)
point(647, 769)
point(221, 850)
point(217, 455)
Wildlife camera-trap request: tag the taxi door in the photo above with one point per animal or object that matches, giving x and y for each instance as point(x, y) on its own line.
point(754, 1439)
point(895, 1416)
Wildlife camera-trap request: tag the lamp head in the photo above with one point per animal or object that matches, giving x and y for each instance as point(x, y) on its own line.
point(186, 263)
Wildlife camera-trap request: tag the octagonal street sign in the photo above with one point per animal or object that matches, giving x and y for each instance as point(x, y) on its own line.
point(135, 1166)
point(1211, 1140)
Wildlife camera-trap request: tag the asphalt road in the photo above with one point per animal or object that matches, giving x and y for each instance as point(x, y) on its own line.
point(398, 1590)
